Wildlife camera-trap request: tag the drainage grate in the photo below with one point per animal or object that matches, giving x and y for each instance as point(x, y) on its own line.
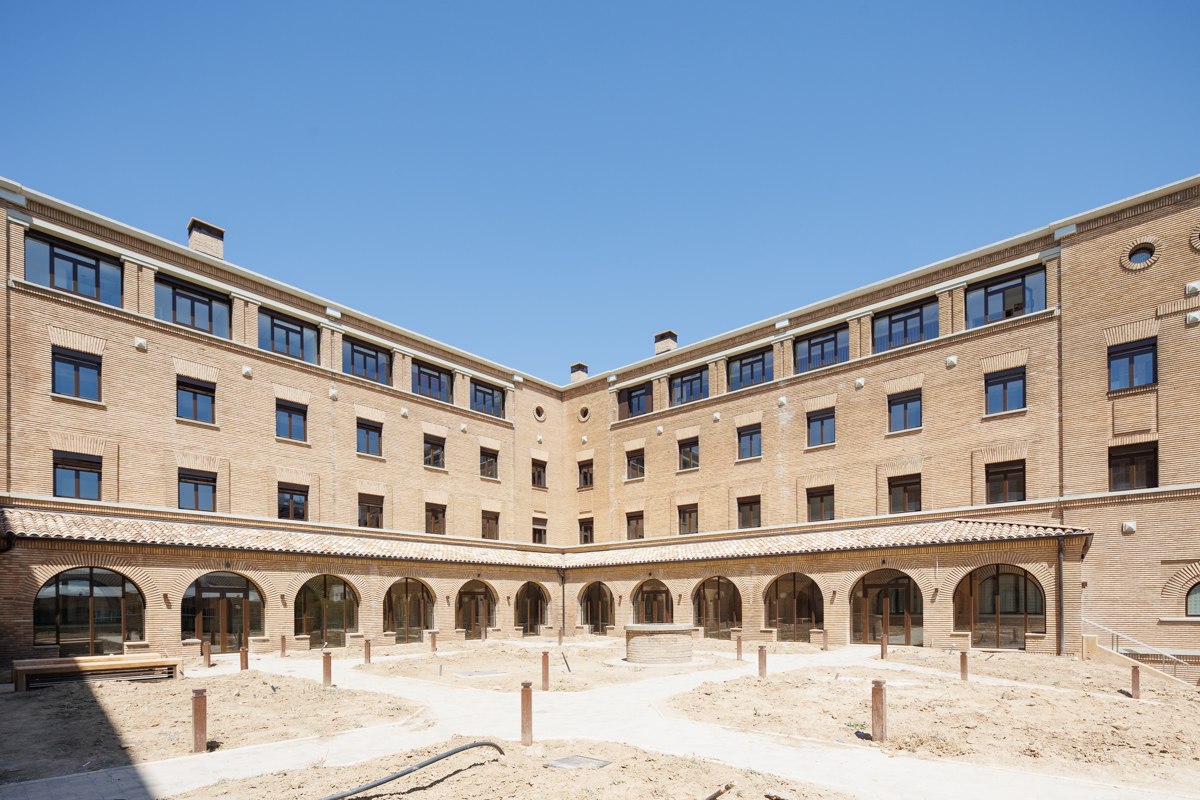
point(577, 762)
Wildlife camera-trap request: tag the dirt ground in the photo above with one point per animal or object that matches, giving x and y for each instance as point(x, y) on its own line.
point(484, 774)
point(1086, 728)
point(750, 649)
point(80, 727)
point(501, 666)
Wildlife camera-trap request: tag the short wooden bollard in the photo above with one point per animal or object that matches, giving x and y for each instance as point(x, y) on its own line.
point(526, 713)
point(244, 659)
point(878, 711)
point(545, 670)
point(824, 640)
point(366, 651)
point(1135, 687)
point(433, 641)
point(327, 668)
point(283, 646)
point(883, 649)
point(739, 642)
point(199, 720)
point(962, 665)
point(762, 661)
point(206, 653)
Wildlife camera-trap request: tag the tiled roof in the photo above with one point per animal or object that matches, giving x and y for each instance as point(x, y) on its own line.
point(125, 530)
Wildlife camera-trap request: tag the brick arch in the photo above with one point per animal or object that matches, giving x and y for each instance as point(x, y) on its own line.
point(142, 578)
point(497, 597)
point(292, 587)
point(583, 587)
point(546, 593)
point(1183, 580)
point(953, 576)
point(186, 577)
point(823, 587)
point(919, 573)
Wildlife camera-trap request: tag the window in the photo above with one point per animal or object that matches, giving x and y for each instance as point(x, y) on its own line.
point(906, 325)
point(435, 518)
point(1193, 601)
point(435, 452)
point(72, 269)
point(432, 382)
point(689, 454)
point(1006, 482)
point(1134, 364)
point(904, 411)
point(749, 512)
point(197, 490)
point(1133, 467)
point(689, 386)
point(749, 441)
point(290, 421)
point(634, 528)
point(293, 501)
point(490, 524)
point(370, 511)
point(195, 400)
point(184, 304)
point(489, 463)
point(286, 336)
point(689, 518)
point(539, 530)
point(820, 503)
point(1004, 391)
point(366, 361)
point(587, 534)
point(585, 474)
point(635, 401)
point(487, 399)
point(751, 369)
point(1007, 296)
point(635, 464)
point(75, 374)
point(538, 473)
point(821, 429)
point(822, 349)
point(77, 476)
point(370, 438)
point(904, 494)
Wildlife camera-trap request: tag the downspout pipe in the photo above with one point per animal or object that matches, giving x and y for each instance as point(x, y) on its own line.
point(562, 603)
point(1062, 634)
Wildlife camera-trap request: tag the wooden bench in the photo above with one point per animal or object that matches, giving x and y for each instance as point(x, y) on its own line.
point(35, 672)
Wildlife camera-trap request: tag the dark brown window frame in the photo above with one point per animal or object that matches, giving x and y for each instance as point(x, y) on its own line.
point(361, 351)
point(826, 419)
point(587, 531)
point(635, 465)
point(435, 518)
point(539, 535)
point(292, 491)
point(195, 296)
point(635, 525)
point(77, 361)
point(1127, 459)
point(749, 506)
point(433, 452)
point(689, 454)
point(487, 399)
point(292, 410)
point(643, 394)
point(1007, 472)
point(489, 463)
point(77, 463)
point(824, 498)
point(906, 399)
point(489, 525)
point(587, 474)
point(688, 516)
point(423, 379)
point(905, 484)
point(537, 473)
point(196, 479)
point(750, 436)
point(197, 389)
point(370, 509)
point(373, 443)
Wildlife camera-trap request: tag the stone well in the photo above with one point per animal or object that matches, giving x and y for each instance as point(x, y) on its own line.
point(658, 644)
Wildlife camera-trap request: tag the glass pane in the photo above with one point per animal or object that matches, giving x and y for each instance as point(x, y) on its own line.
point(1035, 292)
point(975, 311)
point(204, 407)
point(89, 382)
point(281, 423)
point(1143, 369)
point(995, 397)
point(89, 485)
point(310, 345)
point(63, 379)
point(86, 282)
point(220, 318)
point(264, 331)
point(110, 284)
point(1016, 393)
point(37, 262)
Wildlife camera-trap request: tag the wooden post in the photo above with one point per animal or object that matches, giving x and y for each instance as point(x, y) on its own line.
point(283, 645)
point(545, 670)
point(206, 653)
point(433, 641)
point(526, 713)
point(762, 661)
point(883, 634)
point(199, 720)
point(326, 668)
point(485, 633)
point(560, 635)
point(739, 656)
point(1135, 689)
point(878, 711)
point(366, 651)
point(244, 659)
point(962, 665)
point(824, 639)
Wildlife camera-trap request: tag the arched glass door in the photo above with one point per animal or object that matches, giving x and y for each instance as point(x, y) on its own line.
point(223, 609)
point(901, 597)
point(718, 608)
point(88, 611)
point(531, 609)
point(475, 609)
point(652, 603)
point(408, 610)
point(326, 610)
point(794, 607)
point(596, 608)
point(999, 604)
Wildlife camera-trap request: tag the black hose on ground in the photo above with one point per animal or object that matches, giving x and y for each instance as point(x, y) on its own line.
point(412, 769)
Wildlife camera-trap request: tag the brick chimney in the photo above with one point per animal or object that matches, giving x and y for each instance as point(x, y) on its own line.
point(206, 238)
point(665, 342)
point(579, 372)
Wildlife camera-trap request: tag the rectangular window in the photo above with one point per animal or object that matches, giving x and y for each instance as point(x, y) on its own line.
point(904, 411)
point(369, 438)
point(435, 518)
point(1004, 391)
point(904, 494)
point(906, 326)
point(688, 387)
point(75, 374)
point(820, 503)
point(634, 526)
point(1006, 296)
point(366, 361)
point(370, 511)
point(287, 337)
point(487, 399)
point(539, 530)
point(435, 452)
point(823, 349)
point(585, 474)
point(749, 441)
point(635, 464)
point(821, 427)
point(197, 490)
point(689, 454)
point(195, 400)
point(73, 269)
point(635, 401)
point(587, 533)
point(77, 476)
point(749, 512)
point(689, 519)
point(1006, 482)
point(1133, 467)
point(490, 524)
point(751, 369)
point(538, 473)
point(1133, 364)
point(291, 421)
point(293, 501)
point(489, 463)
point(184, 304)
point(431, 381)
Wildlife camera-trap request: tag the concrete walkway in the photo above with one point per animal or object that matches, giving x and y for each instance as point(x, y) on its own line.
point(601, 714)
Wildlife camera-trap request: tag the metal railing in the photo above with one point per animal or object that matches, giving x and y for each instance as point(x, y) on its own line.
point(413, 768)
point(1115, 637)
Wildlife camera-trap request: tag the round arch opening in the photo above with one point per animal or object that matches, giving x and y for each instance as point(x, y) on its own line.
point(222, 608)
point(596, 608)
point(652, 604)
point(475, 609)
point(326, 610)
point(88, 611)
point(887, 604)
point(408, 610)
point(999, 604)
point(533, 609)
point(718, 607)
point(795, 607)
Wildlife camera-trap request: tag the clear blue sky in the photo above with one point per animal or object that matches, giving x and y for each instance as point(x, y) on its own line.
point(541, 183)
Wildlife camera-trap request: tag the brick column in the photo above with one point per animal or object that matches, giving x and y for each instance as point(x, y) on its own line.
point(325, 357)
point(662, 397)
point(15, 226)
point(717, 376)
point(402, 371)
point(139, 286)
point(958, 307)
point(783, 355)
point(334, 337)
point(945, 312)
point(244, 320)
point(462, 390)
point(860, 336)
point(509, 397)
